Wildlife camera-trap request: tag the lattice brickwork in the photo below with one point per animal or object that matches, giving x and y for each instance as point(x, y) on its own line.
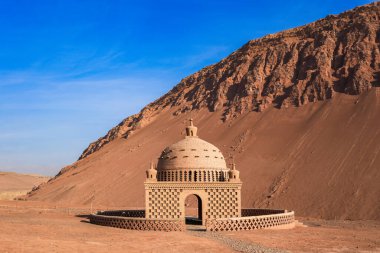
point(275, 219)
point(166, 200)
point(124, 213)
point(250, 223)
point(164, 204)
point(138, 223)
point(258, 212)
point(222, 203)
point(188, 175)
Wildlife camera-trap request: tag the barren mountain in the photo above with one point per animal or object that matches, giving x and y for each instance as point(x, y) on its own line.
point(299, 110)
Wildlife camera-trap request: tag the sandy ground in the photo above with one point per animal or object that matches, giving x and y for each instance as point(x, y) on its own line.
point(320, 236)
point(14, 185)
point(38, 227)
point(10, 195)
point(27, 226)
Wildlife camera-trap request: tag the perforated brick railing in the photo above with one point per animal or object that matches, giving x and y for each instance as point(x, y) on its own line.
point(124, 213)
point(108, 218)
point(252, 219)
point(258, 212)
point(252, 222)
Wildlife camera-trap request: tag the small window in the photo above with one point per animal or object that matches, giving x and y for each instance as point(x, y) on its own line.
point(181, 150)
point(197, 156)
point(193, 149)
point(207, 156)
point(205, 150)
point(213, 150)
point(185, 156)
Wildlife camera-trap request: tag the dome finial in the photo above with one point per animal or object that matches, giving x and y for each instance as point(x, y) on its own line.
point(151, 174)
point(191, 130)
point(233, 174)
point(233, 163)
point(152, 167)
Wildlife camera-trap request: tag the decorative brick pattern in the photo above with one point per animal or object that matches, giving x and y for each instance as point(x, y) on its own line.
point(222, 203)
point(163, 204)
point(124, 213)
point(251, 223)
point(260, 221)
point(193, 167)
point(192, 175)
point(138, 223)
point(166, 200)
point(258, 212)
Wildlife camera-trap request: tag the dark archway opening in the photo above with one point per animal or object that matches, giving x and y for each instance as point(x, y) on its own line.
point(193, 210)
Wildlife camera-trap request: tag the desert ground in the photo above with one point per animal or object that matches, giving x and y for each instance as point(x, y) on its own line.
point(31, 226)
point(13, 185)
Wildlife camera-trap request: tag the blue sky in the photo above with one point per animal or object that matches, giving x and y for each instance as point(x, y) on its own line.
point(72, 69)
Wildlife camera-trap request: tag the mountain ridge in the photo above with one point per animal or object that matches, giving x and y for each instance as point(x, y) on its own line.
point(300, 116)
point(243, 91)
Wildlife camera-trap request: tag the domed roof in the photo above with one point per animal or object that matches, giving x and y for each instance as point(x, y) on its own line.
point(191, 153)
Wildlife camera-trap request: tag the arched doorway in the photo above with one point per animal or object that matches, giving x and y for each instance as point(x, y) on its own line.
point(193, 210)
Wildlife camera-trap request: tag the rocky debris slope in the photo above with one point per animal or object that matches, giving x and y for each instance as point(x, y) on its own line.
point(339, 53)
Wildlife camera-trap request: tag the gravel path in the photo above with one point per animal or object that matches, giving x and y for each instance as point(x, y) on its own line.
point(238, 245)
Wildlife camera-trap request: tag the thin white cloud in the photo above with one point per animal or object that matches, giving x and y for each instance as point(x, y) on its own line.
point(47, 113)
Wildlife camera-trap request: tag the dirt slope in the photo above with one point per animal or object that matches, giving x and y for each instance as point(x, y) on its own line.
point(299, 111)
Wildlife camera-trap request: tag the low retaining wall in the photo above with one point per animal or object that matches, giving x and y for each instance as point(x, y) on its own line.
point(278, 218)
point(134, 223)
point(124, 213)
point(251, 219)
point(259, 212)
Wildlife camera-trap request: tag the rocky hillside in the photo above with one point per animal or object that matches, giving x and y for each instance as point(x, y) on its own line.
point(299, 111)
point(339, 53)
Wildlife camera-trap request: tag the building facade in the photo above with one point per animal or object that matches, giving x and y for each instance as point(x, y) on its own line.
point(192, 166)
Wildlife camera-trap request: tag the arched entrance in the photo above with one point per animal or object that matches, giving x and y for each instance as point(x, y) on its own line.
point(193, 210)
